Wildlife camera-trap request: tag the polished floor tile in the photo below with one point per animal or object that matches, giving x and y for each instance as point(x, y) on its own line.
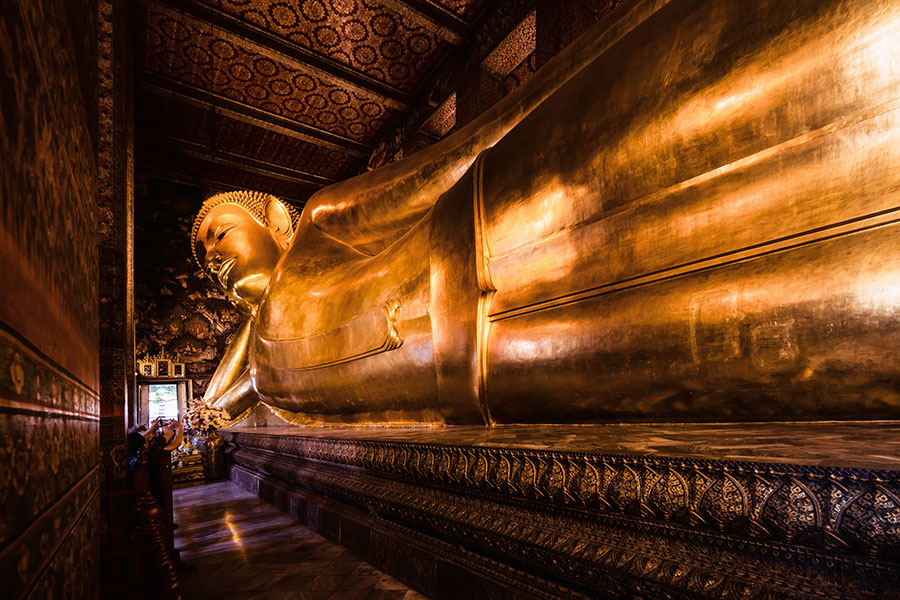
point(244, 547)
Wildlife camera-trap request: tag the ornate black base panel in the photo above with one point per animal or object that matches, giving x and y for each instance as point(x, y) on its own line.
point(547, 513)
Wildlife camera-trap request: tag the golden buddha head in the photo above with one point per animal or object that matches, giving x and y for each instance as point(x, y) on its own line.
point(237, 240)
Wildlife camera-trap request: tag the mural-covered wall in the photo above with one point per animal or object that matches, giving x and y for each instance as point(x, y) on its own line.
point(177, 309)
point(49, 474)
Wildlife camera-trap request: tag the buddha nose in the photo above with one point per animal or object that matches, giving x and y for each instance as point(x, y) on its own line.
point(214, 264)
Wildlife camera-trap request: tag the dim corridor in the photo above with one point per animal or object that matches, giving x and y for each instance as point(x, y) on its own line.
point(244, 547)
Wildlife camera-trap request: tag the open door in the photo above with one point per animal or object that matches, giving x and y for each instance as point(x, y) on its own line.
point(166, 398)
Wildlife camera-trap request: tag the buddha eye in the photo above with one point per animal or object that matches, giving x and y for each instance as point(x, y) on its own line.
point(221, 234)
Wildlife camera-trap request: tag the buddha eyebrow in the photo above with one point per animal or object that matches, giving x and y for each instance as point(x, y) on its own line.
point(225, 226)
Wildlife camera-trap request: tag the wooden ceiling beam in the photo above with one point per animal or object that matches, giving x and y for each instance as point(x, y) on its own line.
point(221, 157)
point(248, 31)
point(437, 14)
point(210, 185)
point(251, 114)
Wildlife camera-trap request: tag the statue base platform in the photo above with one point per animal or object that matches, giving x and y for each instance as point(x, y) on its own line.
point(748, 510)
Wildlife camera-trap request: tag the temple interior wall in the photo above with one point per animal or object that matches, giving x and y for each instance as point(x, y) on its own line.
point(49, 379)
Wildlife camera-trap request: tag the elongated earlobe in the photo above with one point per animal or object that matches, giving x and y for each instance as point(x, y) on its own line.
point(280, 223)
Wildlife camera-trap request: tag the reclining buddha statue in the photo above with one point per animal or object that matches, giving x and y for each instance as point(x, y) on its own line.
point(687, 215)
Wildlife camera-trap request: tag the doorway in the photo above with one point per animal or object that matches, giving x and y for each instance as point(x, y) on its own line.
point(165, 398)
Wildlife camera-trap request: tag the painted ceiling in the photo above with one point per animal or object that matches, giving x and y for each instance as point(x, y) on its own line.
point(281, 96)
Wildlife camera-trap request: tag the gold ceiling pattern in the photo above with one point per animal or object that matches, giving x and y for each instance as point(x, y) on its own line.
point(393, 46)
point(281, 96)
point(179, 48)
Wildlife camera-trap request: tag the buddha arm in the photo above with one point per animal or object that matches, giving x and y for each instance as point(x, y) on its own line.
point(373, 210)
point(233, 365)
point(238, 398)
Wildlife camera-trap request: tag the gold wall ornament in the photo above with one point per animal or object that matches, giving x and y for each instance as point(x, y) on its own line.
point(146, 368)
point(17, 373)
point(161, 364)
point(646, 230)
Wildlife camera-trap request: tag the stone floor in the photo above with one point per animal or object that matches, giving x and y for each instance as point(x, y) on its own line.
point(245, 548)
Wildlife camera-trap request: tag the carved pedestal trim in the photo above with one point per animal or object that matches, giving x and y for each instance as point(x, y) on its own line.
point(590, 524)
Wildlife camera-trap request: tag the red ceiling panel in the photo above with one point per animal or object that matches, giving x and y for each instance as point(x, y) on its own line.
point(282, 96)
point(388, 45)
point(245, 139)
point(183, 49)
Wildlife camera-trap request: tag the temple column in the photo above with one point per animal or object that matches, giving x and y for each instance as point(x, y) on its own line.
point(477, 93)
point(561, 21)
point(115, 226)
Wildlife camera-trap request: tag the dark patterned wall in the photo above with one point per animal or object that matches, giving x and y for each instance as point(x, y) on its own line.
point(47, 188)
point(176, 309)
point(48, 316)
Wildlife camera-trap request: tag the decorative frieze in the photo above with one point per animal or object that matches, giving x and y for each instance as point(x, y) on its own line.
point(854, 509)
point(673, 527)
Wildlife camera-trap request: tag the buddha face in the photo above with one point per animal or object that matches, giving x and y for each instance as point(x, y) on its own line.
point(238, 253)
